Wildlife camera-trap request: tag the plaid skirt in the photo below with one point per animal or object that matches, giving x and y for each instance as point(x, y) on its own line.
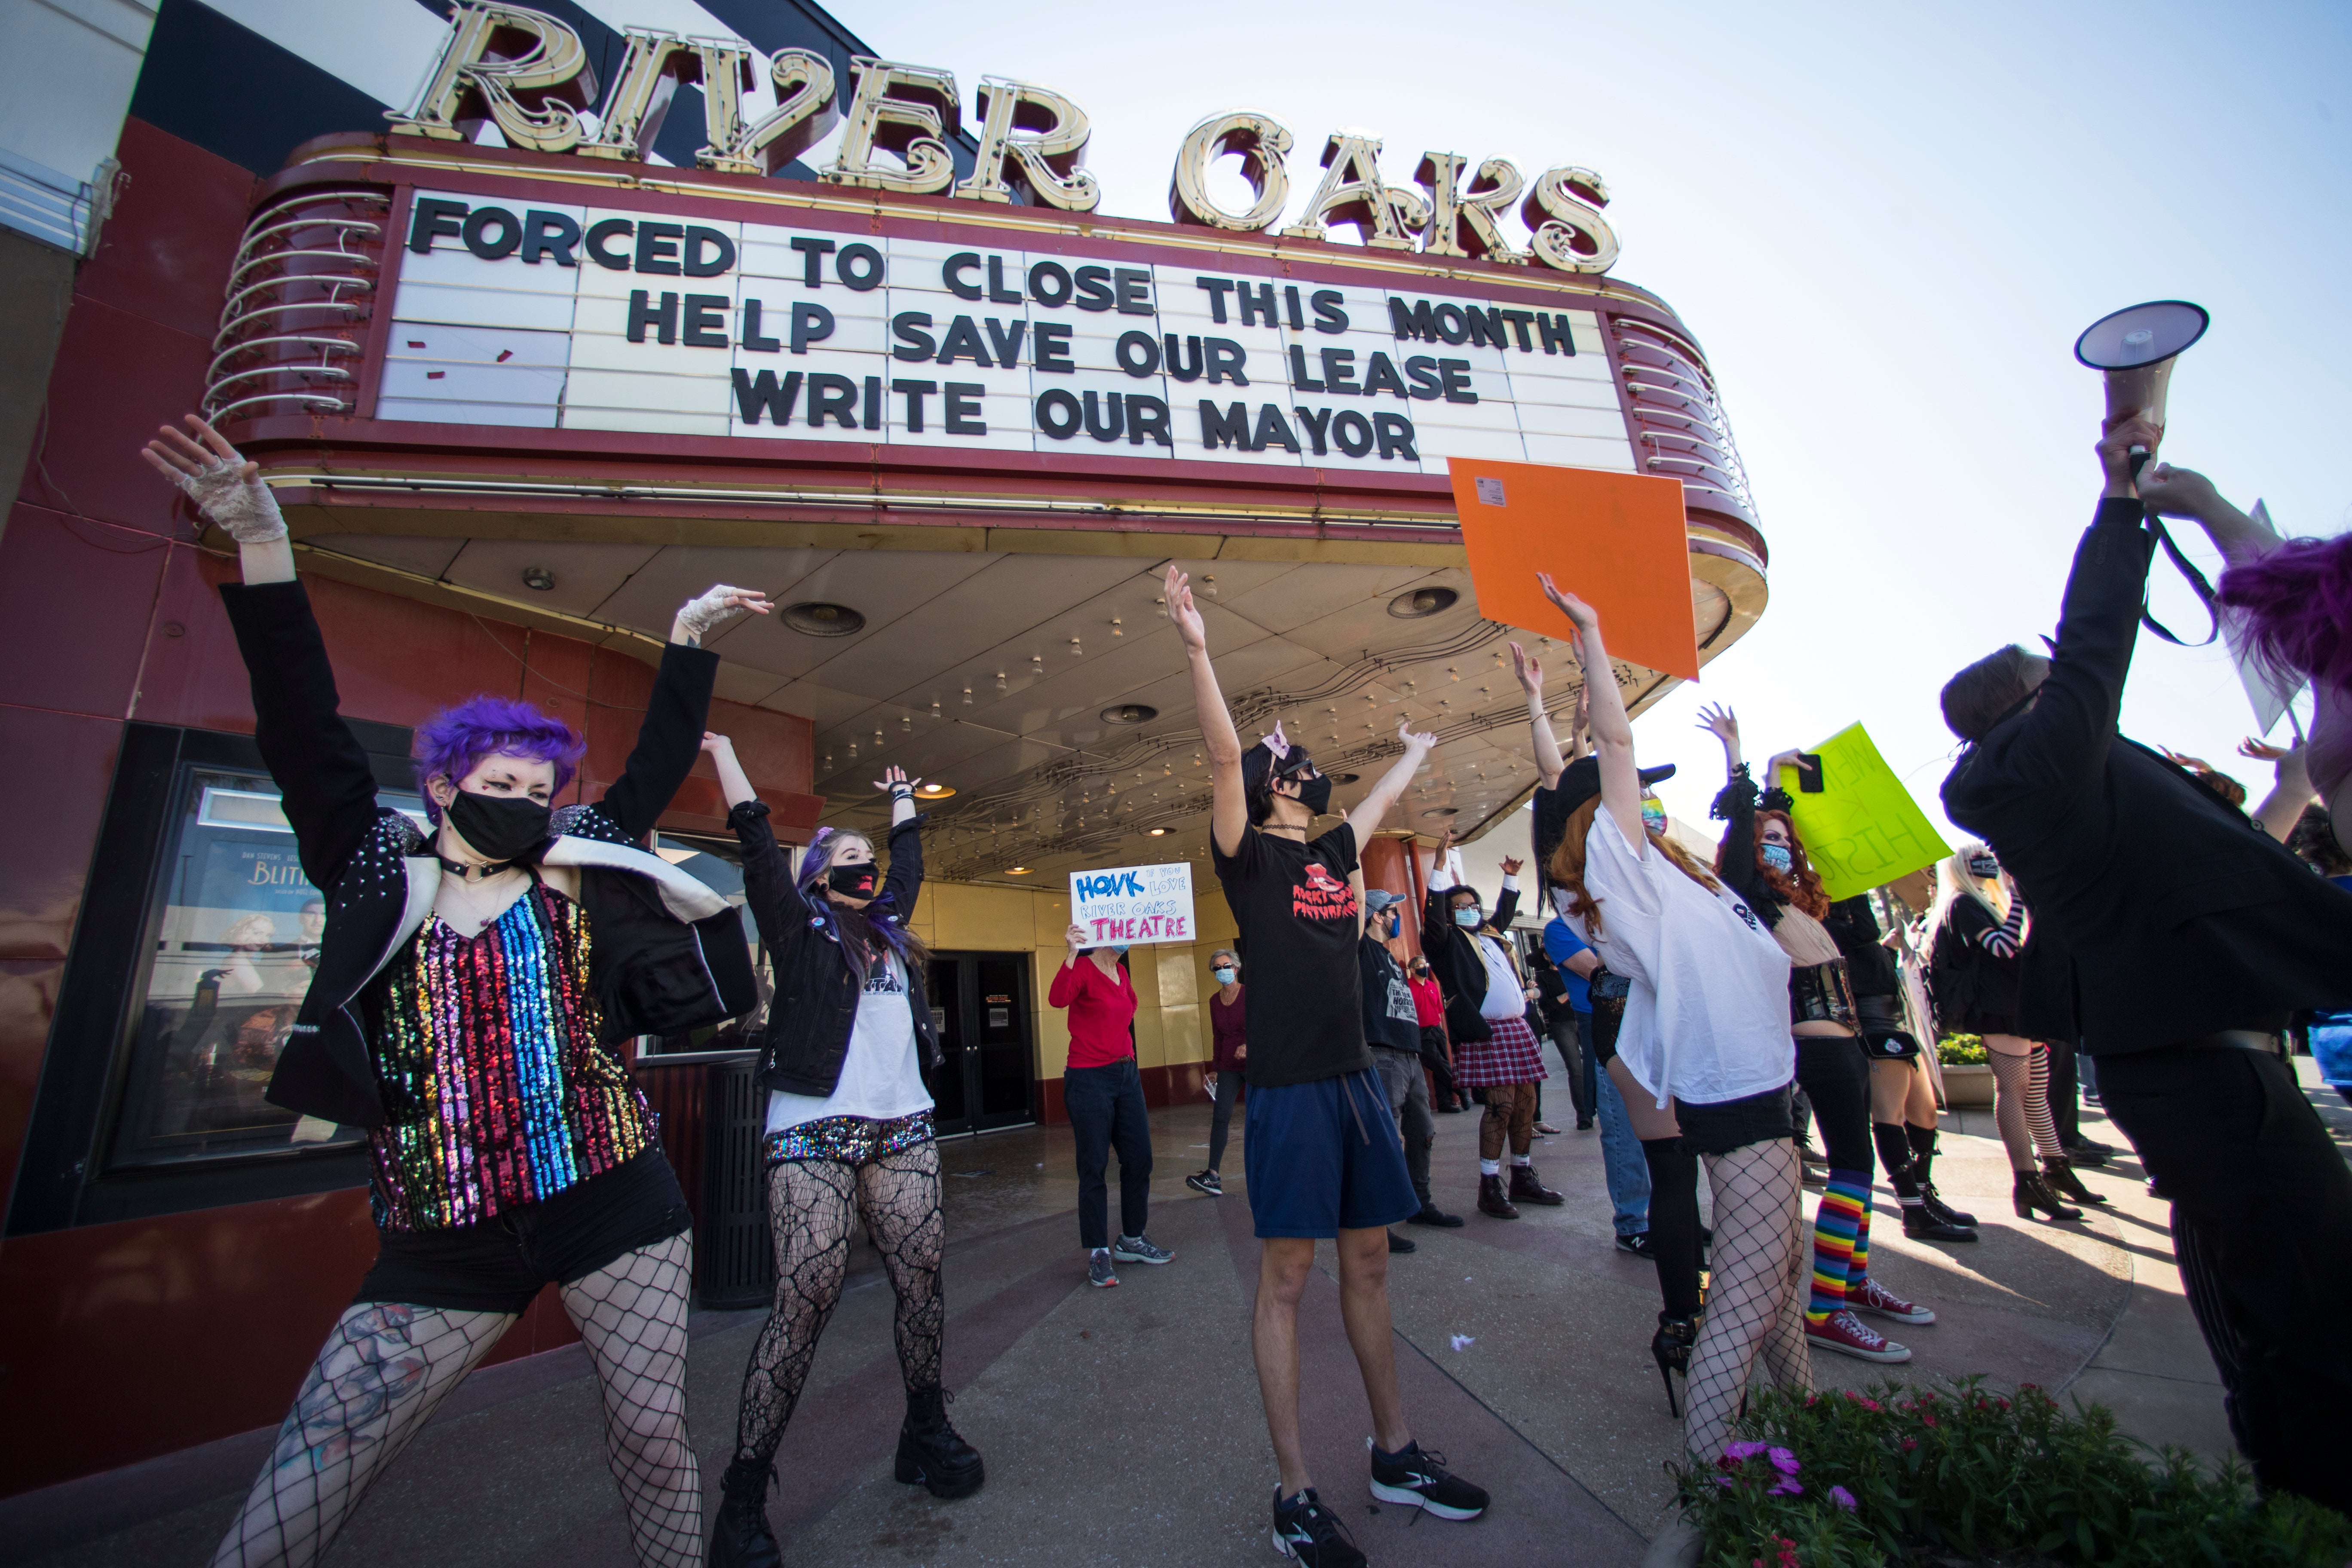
point(1510, 1056)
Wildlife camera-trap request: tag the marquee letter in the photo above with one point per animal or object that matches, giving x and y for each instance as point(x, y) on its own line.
point(1577, 238)
point(1351, 194)
point(1468, 224)
point(907, 112)
point(1262, 143)
point(524, 69)
point(805, 111)
point(1044, 136)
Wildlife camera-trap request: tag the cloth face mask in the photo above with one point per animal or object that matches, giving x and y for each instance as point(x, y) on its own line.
point(852, 881)
point(500, 828)
point(1777, 855)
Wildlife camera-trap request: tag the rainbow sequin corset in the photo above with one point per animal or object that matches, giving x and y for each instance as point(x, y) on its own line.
point(497, 1090)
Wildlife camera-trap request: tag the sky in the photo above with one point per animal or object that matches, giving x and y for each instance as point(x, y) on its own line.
point(1886, 226)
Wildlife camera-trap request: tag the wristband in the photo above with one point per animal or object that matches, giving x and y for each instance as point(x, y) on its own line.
point(902, 792)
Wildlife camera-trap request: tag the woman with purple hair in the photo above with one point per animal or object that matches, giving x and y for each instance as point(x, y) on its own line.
point(472, 991)
point(2292, 601)
point(849, 1138)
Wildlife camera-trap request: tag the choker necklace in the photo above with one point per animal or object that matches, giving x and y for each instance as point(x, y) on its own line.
point(473, 875)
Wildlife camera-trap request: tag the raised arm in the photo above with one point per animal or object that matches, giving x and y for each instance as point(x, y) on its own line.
point(1366, 818)
point(1228, 812)
point(670, 734)
point(327, 788)
point(733, 782)
point(2185, 492)
point(1724, 724)
point(2291, 790)
point(1613, 732)
point(1549, 764)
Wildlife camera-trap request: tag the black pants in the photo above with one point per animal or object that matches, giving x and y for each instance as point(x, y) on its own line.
point(2066, 1103)
point(1836, 1076)
point(1580, 1081)
point(1432, 1051)
point(1105, 1107)
point(1229, 1090)
point(2263, 1223)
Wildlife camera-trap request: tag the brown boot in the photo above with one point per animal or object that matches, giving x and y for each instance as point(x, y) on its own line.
point(1526, 1189)
point(1491, 1200)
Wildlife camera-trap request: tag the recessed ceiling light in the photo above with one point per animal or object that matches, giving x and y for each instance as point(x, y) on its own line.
point(812, 618)
point(1422, 602)
point(1016, 871)
point(1159, 833)
point(537, 577)
point(1344, 778)
point(1130, 713)
point(934, 791)
point(1443, 811)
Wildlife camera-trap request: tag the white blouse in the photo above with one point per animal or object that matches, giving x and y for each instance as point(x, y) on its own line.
point(1706, 1019)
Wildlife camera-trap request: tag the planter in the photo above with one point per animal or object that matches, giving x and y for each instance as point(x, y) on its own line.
point(1968, 1087)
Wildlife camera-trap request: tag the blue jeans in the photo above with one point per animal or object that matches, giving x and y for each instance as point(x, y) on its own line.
point(1628, 1173)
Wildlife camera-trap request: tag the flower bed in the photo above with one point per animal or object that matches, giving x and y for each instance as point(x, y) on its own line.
point(1916, 1477)
point(1962, 1050)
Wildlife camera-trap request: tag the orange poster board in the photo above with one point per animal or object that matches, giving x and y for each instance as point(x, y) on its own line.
point(1615, 540)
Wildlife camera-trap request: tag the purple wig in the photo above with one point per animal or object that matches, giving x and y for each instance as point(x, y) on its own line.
point(454, 740)
point(2297, 605)
point(858, 931)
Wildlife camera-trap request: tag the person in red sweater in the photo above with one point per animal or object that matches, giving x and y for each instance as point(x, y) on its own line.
point(1104, 1096)
point(1229, 1052)
point(1429, 1003)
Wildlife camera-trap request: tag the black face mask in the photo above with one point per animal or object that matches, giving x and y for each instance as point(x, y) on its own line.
point(861, 881)
point(1314, 793)
point(1983, 866)
point(502, 828)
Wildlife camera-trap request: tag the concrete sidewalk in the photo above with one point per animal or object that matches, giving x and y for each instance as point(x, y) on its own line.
point(1123, 1426)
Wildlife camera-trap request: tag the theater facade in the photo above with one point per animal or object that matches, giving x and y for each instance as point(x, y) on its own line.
point(531, 358)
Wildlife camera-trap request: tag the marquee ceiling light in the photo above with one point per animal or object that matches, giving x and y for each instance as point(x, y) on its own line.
point(537, 577)
point(814, 618)
point(1422, 602)
point(934, 791)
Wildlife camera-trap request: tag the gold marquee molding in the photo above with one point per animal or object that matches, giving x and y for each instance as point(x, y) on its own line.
point(528, 74)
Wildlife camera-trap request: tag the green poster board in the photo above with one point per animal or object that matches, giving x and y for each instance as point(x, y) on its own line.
point(1863, 829)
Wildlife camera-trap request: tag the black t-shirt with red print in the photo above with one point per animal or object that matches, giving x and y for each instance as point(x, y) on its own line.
point(1297, 918)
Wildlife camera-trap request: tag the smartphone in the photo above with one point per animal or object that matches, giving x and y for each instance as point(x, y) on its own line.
point(1809, 776)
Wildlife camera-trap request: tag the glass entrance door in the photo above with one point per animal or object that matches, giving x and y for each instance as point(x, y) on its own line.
point(980, 1003)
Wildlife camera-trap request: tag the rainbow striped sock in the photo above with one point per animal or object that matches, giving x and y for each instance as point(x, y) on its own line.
point(1857, 1273)
point(1840, 1219)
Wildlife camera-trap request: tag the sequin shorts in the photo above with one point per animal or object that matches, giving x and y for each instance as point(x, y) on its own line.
point(851, 1140)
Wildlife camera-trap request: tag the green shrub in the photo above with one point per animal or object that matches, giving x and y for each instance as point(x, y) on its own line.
point(1961, 1050)
point(1917, 1477)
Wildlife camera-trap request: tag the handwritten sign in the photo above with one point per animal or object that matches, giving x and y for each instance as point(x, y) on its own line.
point(1861, 829)
point(1134, 904)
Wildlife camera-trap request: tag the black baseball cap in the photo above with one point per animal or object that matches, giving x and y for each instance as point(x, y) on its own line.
point(1582, 780)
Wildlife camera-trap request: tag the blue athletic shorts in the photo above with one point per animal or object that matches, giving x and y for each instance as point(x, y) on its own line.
point(1323, 1157)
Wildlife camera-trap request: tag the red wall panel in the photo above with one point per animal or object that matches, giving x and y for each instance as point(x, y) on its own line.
point(165, 252)
point(74, 598)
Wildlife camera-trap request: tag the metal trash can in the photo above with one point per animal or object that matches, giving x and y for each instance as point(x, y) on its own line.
point(735, 1257)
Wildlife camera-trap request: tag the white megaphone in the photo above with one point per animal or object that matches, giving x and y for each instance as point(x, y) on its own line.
point(2136, 348)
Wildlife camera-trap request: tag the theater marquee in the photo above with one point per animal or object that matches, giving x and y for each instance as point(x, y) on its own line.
point(583, 318)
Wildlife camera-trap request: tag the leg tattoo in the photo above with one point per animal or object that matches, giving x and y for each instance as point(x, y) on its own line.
point(383, 1370)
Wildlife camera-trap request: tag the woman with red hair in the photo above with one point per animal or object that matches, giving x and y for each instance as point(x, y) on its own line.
point(1763, 861)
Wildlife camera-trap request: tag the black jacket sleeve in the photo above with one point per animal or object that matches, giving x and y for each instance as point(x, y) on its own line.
point(319, 765)
point(2065, 738)
point(1735, 805)
point(667, 742)
point(777, 906)
point(1506, 909)
point(904, 882)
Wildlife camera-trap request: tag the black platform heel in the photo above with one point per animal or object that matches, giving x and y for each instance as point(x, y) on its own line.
point(2032, 1192)
point(1671, 1348)
point(740, 1536)
point(2060, 1174)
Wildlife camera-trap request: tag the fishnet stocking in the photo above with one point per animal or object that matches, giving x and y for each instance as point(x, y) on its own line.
point(631, 1314)
point(809, 1208)
point(1755, 1295)
point(2021, 1102)
point(383, 1370)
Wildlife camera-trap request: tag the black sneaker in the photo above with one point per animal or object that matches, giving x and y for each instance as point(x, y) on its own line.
point(1305, 1530)
point(1399, 1243)
point(1432, 1215)
point(1140, 1249)
point(1638, 1244)
point(1099, 1273)
point(1207, 1182)
point(1418, 1478)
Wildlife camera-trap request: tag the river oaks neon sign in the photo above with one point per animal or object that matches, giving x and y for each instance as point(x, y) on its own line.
point(528, 74)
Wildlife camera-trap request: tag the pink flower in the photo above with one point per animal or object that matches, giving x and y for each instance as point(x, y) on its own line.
point(1873, 1406)
point(1843, 1497)
point(2004, 1407)
point(1739, 1453)
point(1926, 1420)
point(1783, 1461)
point(1909, 1444)
point(1788, 1487)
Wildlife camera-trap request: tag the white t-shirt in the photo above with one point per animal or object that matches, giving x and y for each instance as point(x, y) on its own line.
point(1506, 996)
point(1706, 1019)
point(881, 1079)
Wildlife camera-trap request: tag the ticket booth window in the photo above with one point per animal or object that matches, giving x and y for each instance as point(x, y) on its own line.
point(234, 941)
